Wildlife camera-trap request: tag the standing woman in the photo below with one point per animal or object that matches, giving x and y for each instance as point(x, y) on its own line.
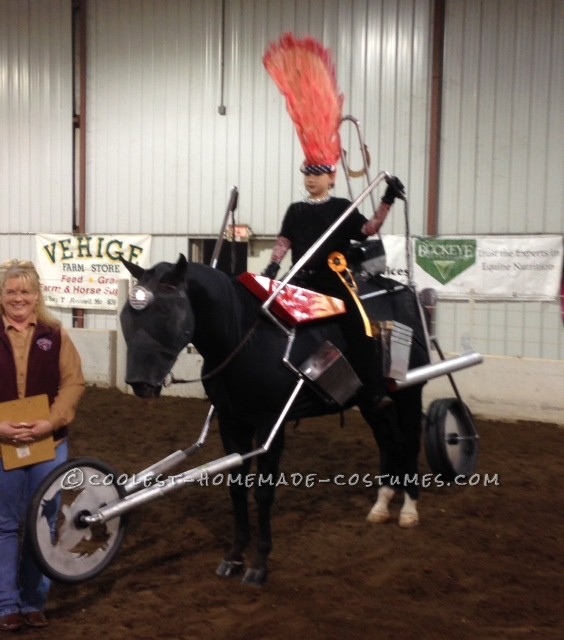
point(37, 357)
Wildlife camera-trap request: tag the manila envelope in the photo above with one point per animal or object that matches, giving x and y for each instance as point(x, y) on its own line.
point(26, 410)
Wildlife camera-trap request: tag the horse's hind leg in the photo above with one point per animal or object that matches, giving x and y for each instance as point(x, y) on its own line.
point(380, 512)
point(410, 417)
point(384, 428)
point(397, 430)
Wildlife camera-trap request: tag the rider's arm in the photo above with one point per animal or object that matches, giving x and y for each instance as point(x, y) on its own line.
point(373, 225)
point(280, 249)
point(395, 189)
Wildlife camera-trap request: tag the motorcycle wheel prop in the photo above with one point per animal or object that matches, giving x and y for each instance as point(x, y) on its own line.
point(66, 548)
point(451, 440)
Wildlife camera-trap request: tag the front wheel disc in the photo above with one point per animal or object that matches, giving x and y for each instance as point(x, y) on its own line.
point(66, 548)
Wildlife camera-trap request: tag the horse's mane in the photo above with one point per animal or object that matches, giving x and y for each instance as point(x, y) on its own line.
point(216, 289)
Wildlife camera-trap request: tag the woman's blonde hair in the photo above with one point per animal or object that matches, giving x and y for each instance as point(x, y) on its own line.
point(25, 271)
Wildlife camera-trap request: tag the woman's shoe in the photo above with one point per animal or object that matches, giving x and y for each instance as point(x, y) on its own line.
point(11, 621)
point(35, 619)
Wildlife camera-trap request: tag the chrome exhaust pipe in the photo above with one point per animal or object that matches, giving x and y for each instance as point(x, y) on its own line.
point(434, 370)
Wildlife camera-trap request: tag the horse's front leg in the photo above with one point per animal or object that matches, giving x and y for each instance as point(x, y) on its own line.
point(236, 440)
point(265, 488)
point(233, 561)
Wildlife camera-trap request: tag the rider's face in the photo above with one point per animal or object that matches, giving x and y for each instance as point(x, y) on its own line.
point(318, 186)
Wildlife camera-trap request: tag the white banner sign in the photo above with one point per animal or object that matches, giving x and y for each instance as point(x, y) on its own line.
point(481, 267)
point(82, 271)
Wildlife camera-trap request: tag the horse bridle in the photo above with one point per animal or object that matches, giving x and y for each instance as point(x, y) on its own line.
point(221, 366)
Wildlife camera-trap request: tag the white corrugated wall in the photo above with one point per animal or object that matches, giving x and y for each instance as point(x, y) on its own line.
point(36, 139)
point(161, 159)
point(503, 130)
point(502, 165)
point(36, 161)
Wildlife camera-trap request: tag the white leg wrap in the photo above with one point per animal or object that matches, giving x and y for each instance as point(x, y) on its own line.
point(380, 512)
point(408, 517)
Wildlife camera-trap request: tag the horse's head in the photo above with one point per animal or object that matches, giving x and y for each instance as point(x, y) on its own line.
point(157, 324)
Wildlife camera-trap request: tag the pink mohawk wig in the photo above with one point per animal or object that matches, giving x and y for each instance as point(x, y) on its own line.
point(304, 73)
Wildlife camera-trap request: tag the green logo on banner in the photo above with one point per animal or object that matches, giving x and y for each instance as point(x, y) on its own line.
point(444, 259)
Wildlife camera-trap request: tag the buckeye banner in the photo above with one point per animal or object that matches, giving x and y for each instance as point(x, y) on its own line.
point(481, 267)
point(82, 271)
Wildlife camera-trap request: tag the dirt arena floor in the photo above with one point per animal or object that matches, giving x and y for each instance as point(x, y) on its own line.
point(485, 563)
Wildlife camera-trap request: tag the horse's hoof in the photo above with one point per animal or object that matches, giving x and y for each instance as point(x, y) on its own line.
point(379, 512)
point(408, 520)
point(378, 516)
point(228, 568)
point(254, 577)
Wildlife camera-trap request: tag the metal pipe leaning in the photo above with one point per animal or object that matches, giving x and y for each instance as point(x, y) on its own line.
point(436, 369)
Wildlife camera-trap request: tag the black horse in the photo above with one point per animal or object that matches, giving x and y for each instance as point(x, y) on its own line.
point(186, 303)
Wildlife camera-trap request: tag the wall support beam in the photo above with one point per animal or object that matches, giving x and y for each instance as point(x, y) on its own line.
point(436, 118)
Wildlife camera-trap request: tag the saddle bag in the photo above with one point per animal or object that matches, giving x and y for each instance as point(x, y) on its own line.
point(395, 341)
point(331, 374)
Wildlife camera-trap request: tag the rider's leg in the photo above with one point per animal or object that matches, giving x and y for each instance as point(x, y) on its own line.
point(366, 359)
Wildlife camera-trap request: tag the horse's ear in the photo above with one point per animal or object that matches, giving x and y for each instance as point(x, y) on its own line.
point(134, 269)
point(178, 274)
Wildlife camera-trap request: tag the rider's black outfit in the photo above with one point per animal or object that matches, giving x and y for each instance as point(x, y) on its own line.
point(303, 224)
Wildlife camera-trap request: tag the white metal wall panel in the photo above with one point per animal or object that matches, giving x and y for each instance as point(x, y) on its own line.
point(517, 329)
point(35, 116)
point(368, 39)
point(162, 159)
point(502, 166)
point(152, 99)
point(503, 154)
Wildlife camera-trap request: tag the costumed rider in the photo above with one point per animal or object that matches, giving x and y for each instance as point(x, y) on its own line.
point(305, 74)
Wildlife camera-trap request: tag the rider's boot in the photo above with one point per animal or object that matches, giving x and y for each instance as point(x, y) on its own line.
point(374, 391)
point(374, 399)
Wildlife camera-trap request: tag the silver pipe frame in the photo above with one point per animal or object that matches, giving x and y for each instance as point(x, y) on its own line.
point(196, 475)
point(436, 369)
point(231, 207)
point(160, 489)
point(151, 474)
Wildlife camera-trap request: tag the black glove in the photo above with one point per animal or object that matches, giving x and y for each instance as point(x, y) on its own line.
point(395, 189)
point(271, 270)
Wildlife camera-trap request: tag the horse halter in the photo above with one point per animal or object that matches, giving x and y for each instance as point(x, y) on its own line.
point(140, 297)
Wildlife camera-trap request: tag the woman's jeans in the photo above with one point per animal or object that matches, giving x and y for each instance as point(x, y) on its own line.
point(22, 585)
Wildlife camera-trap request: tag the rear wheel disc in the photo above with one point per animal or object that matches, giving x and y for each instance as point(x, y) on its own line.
point(451, 440)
